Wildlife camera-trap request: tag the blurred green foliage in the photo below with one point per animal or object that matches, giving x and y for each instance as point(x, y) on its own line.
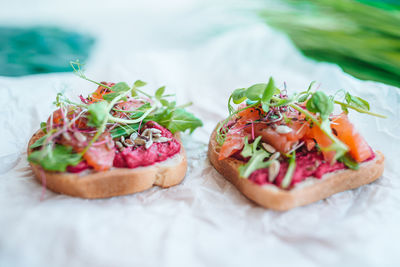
point(362, 37)
point(25, 51)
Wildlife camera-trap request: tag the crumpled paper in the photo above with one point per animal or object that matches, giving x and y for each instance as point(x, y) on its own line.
point(201, 53)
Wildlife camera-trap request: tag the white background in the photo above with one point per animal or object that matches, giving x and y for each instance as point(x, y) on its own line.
point(202, 50)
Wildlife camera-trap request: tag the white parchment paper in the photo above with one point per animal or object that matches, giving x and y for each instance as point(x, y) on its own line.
point(201, 51)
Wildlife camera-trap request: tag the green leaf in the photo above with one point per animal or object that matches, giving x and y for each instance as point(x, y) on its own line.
point(357, 101)
point(257, 157)
point(43, 126)
point(164, 102)
point(39, 142)
point(256, 91)
point(178, 120)
point(172, 105)
point(139, 83)
point(287, 180)
point(160, 92)
point(247, 150)
point(134, 114)
point(349, 162)
point(344, 109)
point(267, 94)
point(98, 112)
point(250, 149)
point(124, 130)
point(120, 87)
point(109, 97)
point(256, 162)
point(320, 103)
point(239, 95)
point(310, 86)
point(282, 102)
point(303, 98)
point(56, 159)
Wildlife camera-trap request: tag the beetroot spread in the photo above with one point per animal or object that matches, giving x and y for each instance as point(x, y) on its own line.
point(132, 157)
point(308, 164)
point(78, 168)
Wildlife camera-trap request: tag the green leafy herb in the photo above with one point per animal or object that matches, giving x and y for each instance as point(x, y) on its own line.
point(267, 94)
point(239, 95)
point(160, 92)
point(256, 162)
point(287, 180)
point(120, 87)
point(98, 112)
point(255, 92)
point(357, 101)
point(281, 102)
point(124, 130)
point(56, 159)
point(110, 97)
point(320, 103)
point(303, 96)
point(247, 149)
point(139, 83)
point(43, 126)
point(178, 120)
point(250, 149)
point(349, 162)
point(39, 142)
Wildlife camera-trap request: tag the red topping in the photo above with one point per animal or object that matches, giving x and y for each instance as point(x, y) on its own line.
point(307, 164)
point(132, 157)
point(101, 156)
point(78, 168)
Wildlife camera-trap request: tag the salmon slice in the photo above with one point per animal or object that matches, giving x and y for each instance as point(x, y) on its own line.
point(248, 115)
point(233, 143)
point(283, 142)
point(58, 117)
point(101, 154)
point(358, 147)
point(322, 140)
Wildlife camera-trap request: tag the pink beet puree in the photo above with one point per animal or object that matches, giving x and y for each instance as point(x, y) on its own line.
point(81, 166)
point(307, 164)
point(140, 156)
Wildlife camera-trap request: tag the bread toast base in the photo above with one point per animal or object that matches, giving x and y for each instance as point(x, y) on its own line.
point(114, 182)
point(306, 192)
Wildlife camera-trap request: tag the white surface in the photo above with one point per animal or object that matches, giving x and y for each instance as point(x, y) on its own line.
point(202, 52)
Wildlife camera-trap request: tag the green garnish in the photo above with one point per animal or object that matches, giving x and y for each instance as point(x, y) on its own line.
point(316, 107)
point(124, 130)
point(101, 116)
point(55, 158)
point(349, 162)
point(257, 160)
point(287, 180)
point(39, 142)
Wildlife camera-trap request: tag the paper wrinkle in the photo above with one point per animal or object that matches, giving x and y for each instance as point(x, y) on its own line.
point(205, 221)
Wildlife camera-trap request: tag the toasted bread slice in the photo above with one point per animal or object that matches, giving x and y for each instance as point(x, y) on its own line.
point(114, 182)
point(306, 192)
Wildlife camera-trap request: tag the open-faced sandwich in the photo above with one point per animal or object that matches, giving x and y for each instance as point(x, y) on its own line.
point(285, 151)
point(119, 140)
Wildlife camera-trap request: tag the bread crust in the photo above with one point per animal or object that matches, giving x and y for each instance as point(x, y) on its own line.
point(306, 192)
point(114, 182)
